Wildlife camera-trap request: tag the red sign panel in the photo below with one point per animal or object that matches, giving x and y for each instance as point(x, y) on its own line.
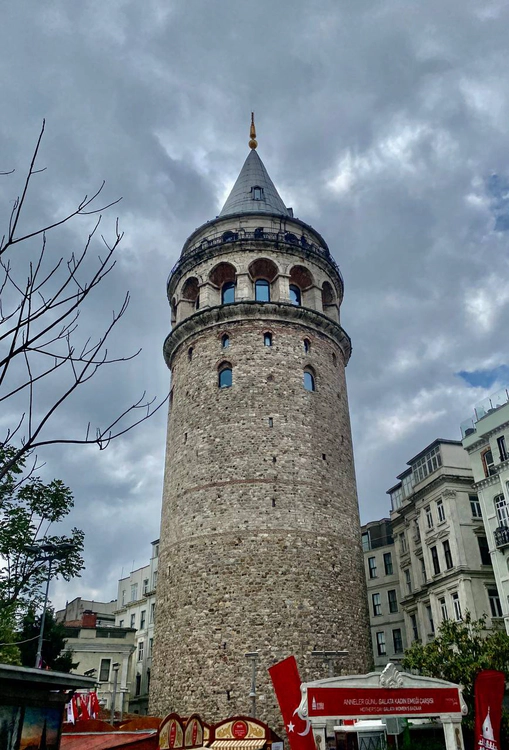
point(383, 701)
point(239, 730)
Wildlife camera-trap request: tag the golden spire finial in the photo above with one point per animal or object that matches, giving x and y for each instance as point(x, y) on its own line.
point(253, 143)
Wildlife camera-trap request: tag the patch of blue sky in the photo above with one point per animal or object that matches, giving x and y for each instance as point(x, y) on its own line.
point(486, 378)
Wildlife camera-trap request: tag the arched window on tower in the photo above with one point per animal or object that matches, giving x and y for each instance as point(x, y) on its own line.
point(267, 338)
point(309, 379)
point(295, 295)
point(307, 345)
point(228, 293)
point(225, 375)
point(257, 193)
point(262, 290)
point(225, 340)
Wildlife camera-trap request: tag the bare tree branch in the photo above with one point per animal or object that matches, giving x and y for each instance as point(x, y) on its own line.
point(40, 329)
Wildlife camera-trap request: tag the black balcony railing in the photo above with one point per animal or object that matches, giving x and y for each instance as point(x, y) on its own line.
point(502, 536)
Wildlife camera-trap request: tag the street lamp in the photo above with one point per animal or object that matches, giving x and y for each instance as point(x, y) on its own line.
point(48, 552)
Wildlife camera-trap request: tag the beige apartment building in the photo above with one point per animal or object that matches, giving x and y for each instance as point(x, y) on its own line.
point(485, 438)
point(387, 623)
point(136, 609)
point(442, 552)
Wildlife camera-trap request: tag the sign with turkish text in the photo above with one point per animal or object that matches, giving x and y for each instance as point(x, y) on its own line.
point(376, 701)
point(239, 729)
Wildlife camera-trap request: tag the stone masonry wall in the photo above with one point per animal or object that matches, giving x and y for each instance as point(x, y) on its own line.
point(260, 535)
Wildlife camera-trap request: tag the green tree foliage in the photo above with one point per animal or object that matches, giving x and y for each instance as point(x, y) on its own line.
point(458, 653)
point(53, 656)
point(28, 508)
point(9, 651)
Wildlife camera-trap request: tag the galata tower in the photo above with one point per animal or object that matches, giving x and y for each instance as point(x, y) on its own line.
point(260, 535)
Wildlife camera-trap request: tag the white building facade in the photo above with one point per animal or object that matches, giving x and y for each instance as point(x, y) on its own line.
point(485, 438)
point(440, 541)
point(387, 624)
point(136, 609)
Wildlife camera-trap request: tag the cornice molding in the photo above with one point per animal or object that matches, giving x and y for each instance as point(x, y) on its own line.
point(238, 312)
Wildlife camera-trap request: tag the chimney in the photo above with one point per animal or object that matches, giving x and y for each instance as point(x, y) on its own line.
point(89, 619)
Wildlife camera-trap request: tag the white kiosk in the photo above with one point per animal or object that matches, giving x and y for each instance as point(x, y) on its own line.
point(376, 695)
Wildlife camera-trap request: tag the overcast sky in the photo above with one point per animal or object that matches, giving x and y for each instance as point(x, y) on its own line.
point(385, 125)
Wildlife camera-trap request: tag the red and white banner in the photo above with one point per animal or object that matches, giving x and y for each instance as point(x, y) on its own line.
point(489, 692)
point(286, 680)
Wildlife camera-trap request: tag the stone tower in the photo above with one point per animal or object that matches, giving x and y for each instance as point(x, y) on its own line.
point(260, 535)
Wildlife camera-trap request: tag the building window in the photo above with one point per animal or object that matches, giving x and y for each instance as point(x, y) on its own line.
point(145, 585)
point(502, 450)
point(307, 345)
point(484, 550)
point(134, 592)
point(140, 651)
point(154, 579)
point(104, 670)
point(417, 531)
point(427, 464)
point(225, 341)
point(133, 621)
point(429, 516)
point(190, 353)
point(440, 511)
point(377, 605)
point(267, 338)
point(443, 608)
point(488, 463)
point(475, 506)
point(228, 293)
point(435, 560)
point(150, 646)
point(495, 606)
point(502, 510)
point(388, 563)
point(423, 571)
point(396, 498)
point(365, 542)
point(137, 688)
point(402, 543)
point(152, 612)
point(430, 620)
point(457, 606)
point(397, 641)
point(309, 380)
point(225, 375)
point(123, 597)
point(415, 629)
point(447, 555)
point(372, 567)
point(408, 581)
point(143, 619)
point(121, 624)
point(380, 644)
point(257, 193)
point(393, 600)
point(262, 290)
point(295, 295)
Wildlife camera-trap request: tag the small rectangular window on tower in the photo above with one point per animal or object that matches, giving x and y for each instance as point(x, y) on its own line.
point(271, 422)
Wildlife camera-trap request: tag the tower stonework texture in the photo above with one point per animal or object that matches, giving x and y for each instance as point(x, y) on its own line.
point(260, 535)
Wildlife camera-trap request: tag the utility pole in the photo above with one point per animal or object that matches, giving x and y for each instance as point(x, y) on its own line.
point(253, 658)
point(115, 668)
point(328, 658)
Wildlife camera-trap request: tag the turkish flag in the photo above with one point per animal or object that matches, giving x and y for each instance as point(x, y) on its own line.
point(286, 680)
point(489, 692)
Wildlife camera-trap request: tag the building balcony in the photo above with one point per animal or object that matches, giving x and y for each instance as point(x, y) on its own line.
point(502, 537)
point(483, 409)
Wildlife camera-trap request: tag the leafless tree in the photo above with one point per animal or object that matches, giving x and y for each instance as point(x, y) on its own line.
point(40, 305)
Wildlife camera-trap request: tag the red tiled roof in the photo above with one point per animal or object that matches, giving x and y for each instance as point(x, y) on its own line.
point(105, 740)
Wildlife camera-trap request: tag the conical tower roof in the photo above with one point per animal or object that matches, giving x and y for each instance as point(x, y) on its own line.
point(254, 191)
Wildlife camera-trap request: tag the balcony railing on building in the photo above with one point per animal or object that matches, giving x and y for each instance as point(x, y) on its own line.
point(502, 536)
point(482, 409)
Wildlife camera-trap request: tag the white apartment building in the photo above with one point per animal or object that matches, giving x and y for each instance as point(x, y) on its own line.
point(485, 438)
point(440, 541)
point(388, 637)
point(136, 609)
